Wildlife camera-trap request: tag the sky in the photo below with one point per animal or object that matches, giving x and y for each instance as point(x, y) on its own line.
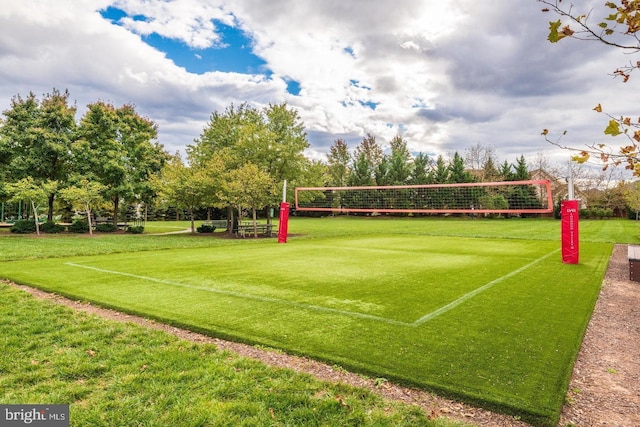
point(445, 75)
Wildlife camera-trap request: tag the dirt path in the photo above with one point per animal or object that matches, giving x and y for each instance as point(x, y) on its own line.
point(605, 387)
point(604, 390)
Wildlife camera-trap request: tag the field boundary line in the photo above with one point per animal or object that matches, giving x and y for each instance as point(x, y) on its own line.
point(477, 291)
point(247, 296)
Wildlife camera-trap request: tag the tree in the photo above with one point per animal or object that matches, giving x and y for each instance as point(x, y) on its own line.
point(632, 197)
point(457, 171)
point(476, 156)
point(441, 171)
point(272, 139)
point(182, 186)
point(420, 173)
point(490, 172)
point(84, 195)
point(283, 158)
point(399, 162)
point(617, 29)
point(521, 172)
point(505, 172)
point(366, 158)
point(117, 148)
point(250, 187)
point(224, 130)
point(37, 137)
point(338, 160)
point(35, 192)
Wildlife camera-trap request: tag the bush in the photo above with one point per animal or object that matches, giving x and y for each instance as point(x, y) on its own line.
point(51, 227)
point(79, 226)
point(136, 229)
point(205, 228)
point(106, 228)
point(24, 226)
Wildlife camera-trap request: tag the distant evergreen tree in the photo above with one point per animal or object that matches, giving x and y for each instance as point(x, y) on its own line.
point(457, 172)
point(522, 197)
point(420, 171)
point(490, 172)
point(521, 172)
point(339, 160)
point(441, 172)
point(505, 173)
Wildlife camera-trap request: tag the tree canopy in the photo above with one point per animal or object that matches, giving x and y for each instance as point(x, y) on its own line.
point(117, 147)
point(272, 140)
point(35, 139)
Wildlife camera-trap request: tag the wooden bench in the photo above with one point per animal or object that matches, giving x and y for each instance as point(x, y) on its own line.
point(248, 230)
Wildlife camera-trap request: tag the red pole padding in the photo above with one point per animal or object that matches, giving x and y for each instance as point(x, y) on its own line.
point(283, 225)
point(570, 238)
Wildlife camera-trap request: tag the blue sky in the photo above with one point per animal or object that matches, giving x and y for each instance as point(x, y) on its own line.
point(445, 75)
point(233, 54)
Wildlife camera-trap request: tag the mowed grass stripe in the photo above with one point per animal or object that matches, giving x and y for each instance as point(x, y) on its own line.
point(246, 296)
point(399, 285)
point(304, 306)
point(477, 291)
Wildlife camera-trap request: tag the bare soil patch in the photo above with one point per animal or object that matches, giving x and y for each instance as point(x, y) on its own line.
point(604, 390)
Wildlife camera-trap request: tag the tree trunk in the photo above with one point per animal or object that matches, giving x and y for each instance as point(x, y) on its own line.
point(35, 216)
point(88, 210)
point(255, 223)
point(116, 205)
point(50, 211)
point(230, 223)
point(193, 227)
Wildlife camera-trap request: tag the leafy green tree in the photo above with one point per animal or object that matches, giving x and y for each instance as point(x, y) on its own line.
point(35, 192)
point(182, 186)
point(249, 187)
point(617, 27)
point(117, 148)
point(226, 130)
point(84, 195)
point(272, 139)
point(36, 139)
point(283, 158)
point(632, 197)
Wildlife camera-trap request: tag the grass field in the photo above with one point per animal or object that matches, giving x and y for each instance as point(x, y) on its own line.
point(480, 310)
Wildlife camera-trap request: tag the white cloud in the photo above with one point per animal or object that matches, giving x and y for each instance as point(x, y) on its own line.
point(447, 74)
point(190, 21)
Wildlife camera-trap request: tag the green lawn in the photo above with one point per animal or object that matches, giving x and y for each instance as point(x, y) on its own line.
point(116, 374)
point(481, 310)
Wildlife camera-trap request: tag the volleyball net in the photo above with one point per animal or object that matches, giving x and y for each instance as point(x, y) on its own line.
point(503, 197)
